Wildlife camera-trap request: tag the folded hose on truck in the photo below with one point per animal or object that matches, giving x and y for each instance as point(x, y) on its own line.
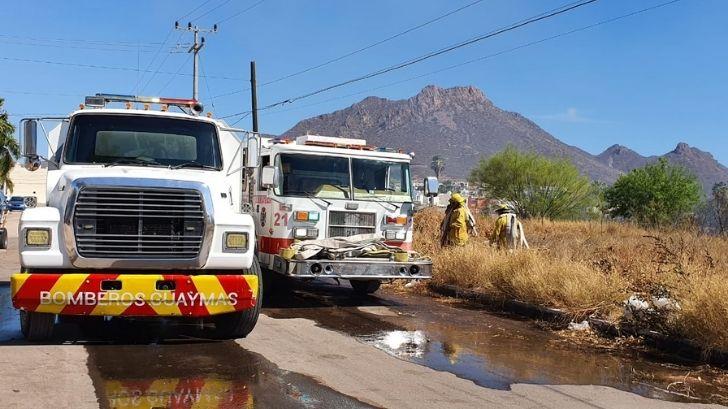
point(339, 248)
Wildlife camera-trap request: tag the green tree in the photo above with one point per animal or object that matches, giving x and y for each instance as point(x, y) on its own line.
point(656, 195)
point(9, 148)
point(437, 165)
point(539, 186)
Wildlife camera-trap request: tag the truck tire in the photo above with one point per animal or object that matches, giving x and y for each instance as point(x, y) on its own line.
point(239, 324)
point(364, 287)
point(37, 326)
point(3, 238)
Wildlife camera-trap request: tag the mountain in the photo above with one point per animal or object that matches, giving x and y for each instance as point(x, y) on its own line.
point(622, 158)
point(462, 125)
point(458, 123)
point(702, 164)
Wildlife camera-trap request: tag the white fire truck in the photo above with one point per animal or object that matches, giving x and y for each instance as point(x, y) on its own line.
point(314, 188)
point(143, 219)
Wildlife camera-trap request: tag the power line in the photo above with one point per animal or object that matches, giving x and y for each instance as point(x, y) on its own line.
point(189, 56)
point(359, 50)
point(362, 49)
point(194, 9)
point(211, 10)
point(161, 46)
point(240, 119)
point(109, 67)
point(207, 86)
point(52, 94)
point(489, 56)
point(228, 18)
point(154, 58)
point(159, 67)
point(543, 16)
point(80, 47)
point(86, 41)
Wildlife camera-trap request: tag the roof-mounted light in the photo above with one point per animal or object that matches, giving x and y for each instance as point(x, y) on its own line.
point(100, 101)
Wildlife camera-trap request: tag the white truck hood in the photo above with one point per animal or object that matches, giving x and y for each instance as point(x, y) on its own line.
point(60, 180)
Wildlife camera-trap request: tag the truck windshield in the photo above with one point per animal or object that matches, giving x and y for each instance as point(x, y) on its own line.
point(139, 139)
point(318, 176)
point(389, 181)
point(329, 177)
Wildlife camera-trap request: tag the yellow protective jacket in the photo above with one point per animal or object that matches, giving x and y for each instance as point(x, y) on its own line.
point(457, 227)
point(500, 236)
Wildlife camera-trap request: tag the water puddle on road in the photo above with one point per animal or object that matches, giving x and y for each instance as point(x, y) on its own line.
point(207, 374)
point(150, 364)
point(491, 350)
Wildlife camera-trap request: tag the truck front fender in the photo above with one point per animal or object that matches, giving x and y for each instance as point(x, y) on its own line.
point(218, 256)
point(48, 218)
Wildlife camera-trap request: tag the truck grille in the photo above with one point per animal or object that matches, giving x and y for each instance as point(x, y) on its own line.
point(345, 224)
point(146, 223)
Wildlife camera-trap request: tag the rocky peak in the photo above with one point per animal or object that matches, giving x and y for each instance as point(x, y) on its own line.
point(433, 98)
point(617, 150)
point(682, 148)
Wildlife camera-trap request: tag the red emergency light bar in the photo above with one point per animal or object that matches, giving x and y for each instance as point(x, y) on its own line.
point(100, 101)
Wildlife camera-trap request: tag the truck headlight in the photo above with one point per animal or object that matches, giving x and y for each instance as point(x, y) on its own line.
point(37, 237)
point(305, 233)
point(395, 235)
point(235, 242)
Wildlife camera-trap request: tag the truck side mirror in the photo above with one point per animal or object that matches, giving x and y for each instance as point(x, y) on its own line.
point(431, 186)
point(252, 157)
point(269, 176)
point(30, 144)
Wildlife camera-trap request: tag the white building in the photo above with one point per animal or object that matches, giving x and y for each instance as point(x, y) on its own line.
point(27, 183)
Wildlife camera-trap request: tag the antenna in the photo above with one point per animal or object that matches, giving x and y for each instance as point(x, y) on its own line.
point(195, 48)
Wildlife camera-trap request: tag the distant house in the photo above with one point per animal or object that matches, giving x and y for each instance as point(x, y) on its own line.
point(27, 183)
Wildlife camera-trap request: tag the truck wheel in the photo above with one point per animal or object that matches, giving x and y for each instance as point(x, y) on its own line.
point(364, 287)
point(3, 238)
point(37, 326)
point(239, 324)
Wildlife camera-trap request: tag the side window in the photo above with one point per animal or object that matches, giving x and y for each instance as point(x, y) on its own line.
point(59, 152)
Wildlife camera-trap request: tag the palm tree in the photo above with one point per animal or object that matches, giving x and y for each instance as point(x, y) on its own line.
point(437, 165)
point(9, 148)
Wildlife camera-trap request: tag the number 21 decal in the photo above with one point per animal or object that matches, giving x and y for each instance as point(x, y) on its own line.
point(281, 219)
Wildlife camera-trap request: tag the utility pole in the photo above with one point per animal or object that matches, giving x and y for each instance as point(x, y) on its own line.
point(253, 97)
point(195, 48)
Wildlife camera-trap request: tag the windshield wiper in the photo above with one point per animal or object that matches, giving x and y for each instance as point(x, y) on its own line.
point(193, 164)
point(381, 202)
point(133, 161)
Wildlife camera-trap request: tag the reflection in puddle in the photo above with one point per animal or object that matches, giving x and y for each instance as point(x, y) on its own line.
point(178, 393)
point(415, 346)
point(491, 350)
point(399, 343)
point(201, 375)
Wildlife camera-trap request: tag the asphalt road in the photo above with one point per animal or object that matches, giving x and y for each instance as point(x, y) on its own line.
point(316, 345)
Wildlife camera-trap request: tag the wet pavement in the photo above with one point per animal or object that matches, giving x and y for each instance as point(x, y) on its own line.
point(144, 364)
point(151, 364)
point(206, 374)
point(494, 351)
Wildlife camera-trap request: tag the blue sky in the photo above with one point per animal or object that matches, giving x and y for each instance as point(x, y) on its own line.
point(647, 81)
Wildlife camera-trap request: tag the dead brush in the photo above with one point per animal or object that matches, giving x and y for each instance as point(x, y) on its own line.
point(594, 266)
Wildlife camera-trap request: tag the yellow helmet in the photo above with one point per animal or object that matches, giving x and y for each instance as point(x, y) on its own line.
point(503, 207)
point(457, 198)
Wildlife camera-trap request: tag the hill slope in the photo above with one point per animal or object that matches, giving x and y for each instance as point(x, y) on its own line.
point(702, 164)
point(462, 125)
point(458, 123)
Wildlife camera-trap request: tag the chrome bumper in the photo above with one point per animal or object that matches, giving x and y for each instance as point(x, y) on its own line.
point(363, 268)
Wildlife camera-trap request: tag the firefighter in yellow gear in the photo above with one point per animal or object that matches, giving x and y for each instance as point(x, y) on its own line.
point(455, 224)
point(508, 231)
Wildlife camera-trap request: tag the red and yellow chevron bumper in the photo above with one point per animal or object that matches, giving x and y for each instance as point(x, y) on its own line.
point(134, 295)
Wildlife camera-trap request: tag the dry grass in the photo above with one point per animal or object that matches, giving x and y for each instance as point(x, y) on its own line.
point(593, 267)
